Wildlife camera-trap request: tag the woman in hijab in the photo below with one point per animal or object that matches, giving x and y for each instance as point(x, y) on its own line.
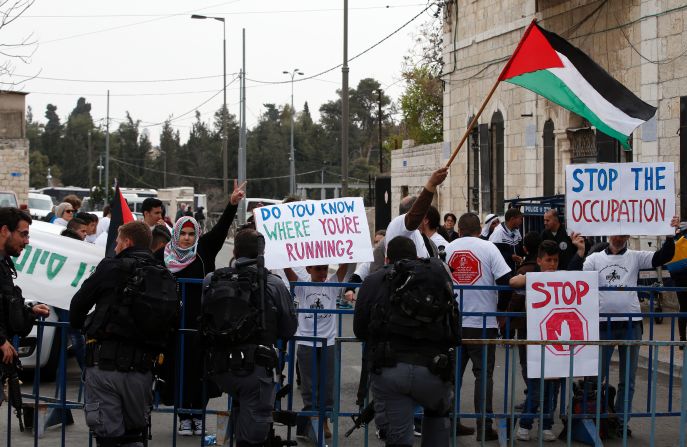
point(490, 223)
point(191, 254)
point(63, 214)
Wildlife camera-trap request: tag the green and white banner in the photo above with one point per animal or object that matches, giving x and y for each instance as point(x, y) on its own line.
point(52, 267)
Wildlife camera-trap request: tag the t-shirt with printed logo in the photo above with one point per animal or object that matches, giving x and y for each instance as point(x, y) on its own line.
point(317, 297)
point(476, 262)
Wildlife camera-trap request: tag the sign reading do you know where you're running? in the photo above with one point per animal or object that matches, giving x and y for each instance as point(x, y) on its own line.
point(620, 198)
point(314, 232)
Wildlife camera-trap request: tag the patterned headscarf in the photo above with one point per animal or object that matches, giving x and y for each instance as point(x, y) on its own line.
point(177, 258)
point(487, 223)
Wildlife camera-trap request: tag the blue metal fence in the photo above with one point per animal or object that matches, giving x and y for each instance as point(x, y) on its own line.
point(507, 416)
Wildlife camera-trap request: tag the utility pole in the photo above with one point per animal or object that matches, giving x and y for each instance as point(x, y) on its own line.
point(90, 161)
point(107, 149)
point(164, 168)
point(100, 170)
point(381, 159)
point(242, 134)
point(344, 106)
point(225, 130)
point(292, 156)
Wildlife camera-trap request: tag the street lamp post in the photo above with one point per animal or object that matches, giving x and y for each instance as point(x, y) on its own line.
point(292, 157)
point(225, 137)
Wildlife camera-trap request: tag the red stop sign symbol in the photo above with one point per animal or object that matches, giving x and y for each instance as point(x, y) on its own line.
point(564, 324)
point(465, 267)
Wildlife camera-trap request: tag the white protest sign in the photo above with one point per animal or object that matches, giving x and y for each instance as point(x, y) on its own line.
point(620, 198)
point(562, 306)
point(52, 267)
point(314, 232)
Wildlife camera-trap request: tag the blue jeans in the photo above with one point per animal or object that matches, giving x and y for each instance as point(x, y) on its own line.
point(75, 337)
point(533, 399)
point(620, 330)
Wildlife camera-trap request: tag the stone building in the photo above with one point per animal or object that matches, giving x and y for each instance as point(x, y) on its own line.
point(523, 142)
point(14, 146)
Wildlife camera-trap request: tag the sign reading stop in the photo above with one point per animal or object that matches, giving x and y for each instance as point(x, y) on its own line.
point(562, 306)
point(466, 269)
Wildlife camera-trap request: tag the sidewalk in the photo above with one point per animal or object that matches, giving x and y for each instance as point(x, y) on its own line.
point(668, 357)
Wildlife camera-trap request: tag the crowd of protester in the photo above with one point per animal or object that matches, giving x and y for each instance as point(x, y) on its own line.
point(189, 252)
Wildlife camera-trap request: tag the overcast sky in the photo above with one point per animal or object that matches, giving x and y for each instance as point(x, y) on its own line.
point(103, 45)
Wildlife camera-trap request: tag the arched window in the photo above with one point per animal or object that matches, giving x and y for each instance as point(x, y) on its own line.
point(497, 153)
point(549, 159)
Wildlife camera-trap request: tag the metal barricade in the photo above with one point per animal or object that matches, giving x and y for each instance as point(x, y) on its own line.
point(652, 409)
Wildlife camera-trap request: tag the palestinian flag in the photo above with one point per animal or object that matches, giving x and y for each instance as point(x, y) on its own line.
point(547, 64)
point(119, 215)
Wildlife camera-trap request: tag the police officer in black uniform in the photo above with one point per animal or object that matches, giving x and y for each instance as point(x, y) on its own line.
point(118, 386)
point(245, 368)
point(406, 314)
point(16, 318)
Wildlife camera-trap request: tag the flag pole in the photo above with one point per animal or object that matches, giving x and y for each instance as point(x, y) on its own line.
point(473, 122)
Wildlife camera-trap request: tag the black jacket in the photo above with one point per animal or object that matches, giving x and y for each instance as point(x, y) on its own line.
point(565, 244)
point(209, 246)
point(107, 280)
point(375, 290)
point(277, 294)
point(8, 289)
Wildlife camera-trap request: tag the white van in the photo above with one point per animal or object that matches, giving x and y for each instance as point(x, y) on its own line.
point(40, 205)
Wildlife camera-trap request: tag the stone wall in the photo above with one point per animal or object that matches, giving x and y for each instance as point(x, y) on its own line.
point(14, 167)
point(480, 36)
point(411, 166)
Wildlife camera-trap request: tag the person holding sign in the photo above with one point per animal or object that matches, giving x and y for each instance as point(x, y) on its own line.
point(619, 266)
point(547, 261)
point(322, 325)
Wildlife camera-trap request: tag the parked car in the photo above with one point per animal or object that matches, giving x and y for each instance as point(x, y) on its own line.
point(256, 202)
point(39, 205)
point(8, 198)
point(50, 350)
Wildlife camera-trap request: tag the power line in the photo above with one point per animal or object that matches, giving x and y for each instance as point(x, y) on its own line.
point(194, 108)
point(257, 81)
point(128, 81)
point(157, 18)
point(159, 171)
point(283, 11)
point(33, 92)
point(350, 59)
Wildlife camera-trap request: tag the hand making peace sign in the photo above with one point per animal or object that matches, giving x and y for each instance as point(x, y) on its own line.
point(239, 193)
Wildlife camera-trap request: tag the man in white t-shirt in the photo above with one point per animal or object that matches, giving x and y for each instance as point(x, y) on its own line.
point(619, 266)
point(411, 212)
point(321, 325)
point(476, 262)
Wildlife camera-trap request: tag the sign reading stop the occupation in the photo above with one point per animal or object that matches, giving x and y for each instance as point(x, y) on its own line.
point(563, 306)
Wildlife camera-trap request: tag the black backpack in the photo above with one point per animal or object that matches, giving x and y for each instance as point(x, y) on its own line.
point(151, 291)
point(145, 310)
point(421, 305)
point(231, 312)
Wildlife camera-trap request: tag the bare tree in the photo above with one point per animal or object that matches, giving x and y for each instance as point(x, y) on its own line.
point(13, 51)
